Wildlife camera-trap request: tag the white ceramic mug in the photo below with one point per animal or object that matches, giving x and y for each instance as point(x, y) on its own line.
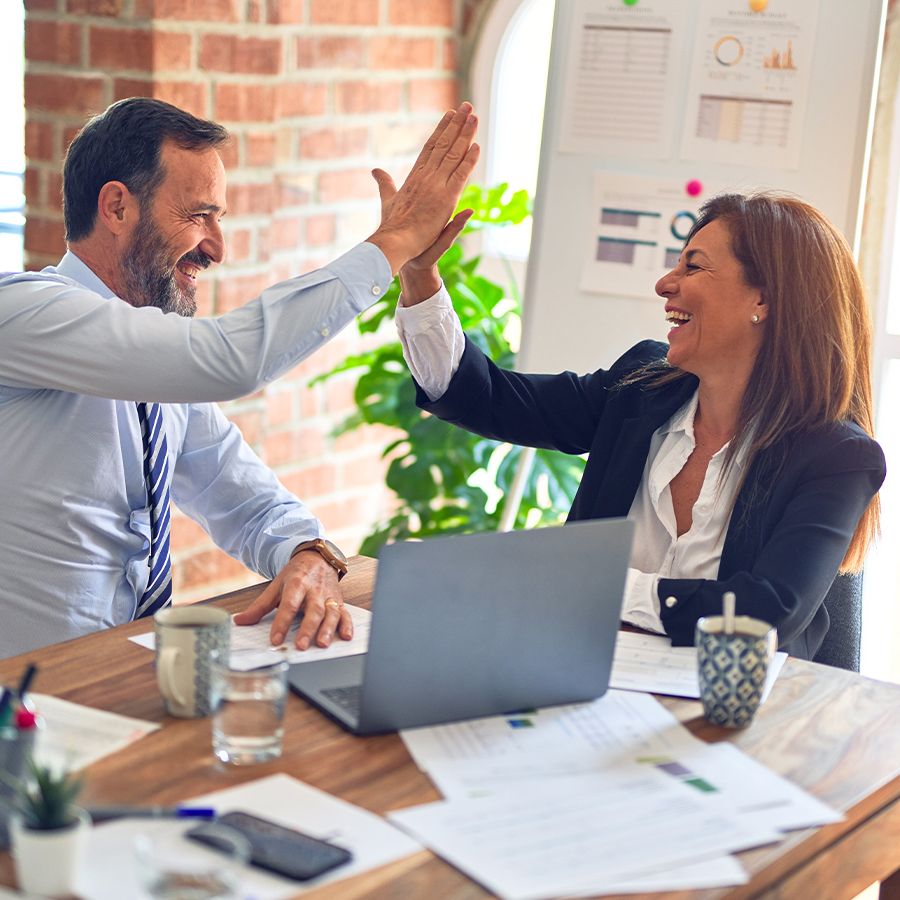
point(189, 641)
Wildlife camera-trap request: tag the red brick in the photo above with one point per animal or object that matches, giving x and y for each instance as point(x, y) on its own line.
point(435, 94)
point(421, 12)
point(302, 99)
point(239, 242)
point(279, 405)
point(34, 187)
point(343, 12)
point(261, 148)
point(295, 189)
point(310, 482)
point(403, 53)
point(249, 56)
point(255, 11)
point(285, 234)
point(44, 236)
point(53, 189)
point(58, 42)
point(330, 52)
point(369, 96)
point(249, 423)
point(286, 12)
point(245, 102)
point(77, 94)
point(121, 48)
point(234, 290)
point(346, 184)
point(364, 472)
point(347, 513)
point(172, 51)
point(320, 230)
point(399, 138)
point(204, 567)
point(339, 396)
point(204, 297)
point(263, 249)
point(187, 95)
point(229, 153)
point(250, 198)
point(331, 143)
point(451, 55)
point(187, 534)
point(189, 10)
point(40, 141)
point(94, 7)
point(41, 5)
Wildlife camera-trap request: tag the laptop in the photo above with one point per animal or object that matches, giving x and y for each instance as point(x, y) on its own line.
point(479, 625)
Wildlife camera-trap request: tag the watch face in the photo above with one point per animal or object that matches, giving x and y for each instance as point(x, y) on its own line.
point(336, 551)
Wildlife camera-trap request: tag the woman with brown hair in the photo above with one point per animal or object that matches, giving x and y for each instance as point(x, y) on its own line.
point(743, 450)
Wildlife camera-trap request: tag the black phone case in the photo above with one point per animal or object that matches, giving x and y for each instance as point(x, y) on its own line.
point(276, 848)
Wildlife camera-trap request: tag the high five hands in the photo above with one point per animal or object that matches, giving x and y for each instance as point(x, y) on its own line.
point(416, 227)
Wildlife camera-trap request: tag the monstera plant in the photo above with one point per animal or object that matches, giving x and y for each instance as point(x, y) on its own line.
point(448, 481)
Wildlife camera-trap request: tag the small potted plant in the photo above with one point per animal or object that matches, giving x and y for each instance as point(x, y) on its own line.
point(48, 832)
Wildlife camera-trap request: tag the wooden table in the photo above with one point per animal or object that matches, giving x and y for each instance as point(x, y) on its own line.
point(832, 732)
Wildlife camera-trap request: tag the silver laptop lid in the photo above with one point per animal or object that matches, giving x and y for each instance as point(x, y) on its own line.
point(488, 623)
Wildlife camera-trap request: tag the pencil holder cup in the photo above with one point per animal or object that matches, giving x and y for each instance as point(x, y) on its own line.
point(16, 746)
point(732, 668)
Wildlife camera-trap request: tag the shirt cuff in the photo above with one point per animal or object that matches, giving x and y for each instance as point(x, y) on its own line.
point(365, 272)
point(422, 317)
point(640, 605)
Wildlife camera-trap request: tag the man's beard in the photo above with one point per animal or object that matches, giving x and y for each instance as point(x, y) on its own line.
point(150, 280)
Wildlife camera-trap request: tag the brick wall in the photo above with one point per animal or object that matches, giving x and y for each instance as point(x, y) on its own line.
point(315, 92)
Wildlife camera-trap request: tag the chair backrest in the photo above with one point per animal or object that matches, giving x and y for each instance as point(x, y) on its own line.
point(842, 640)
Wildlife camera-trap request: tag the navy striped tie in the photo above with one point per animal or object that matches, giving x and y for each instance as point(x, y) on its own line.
point(156, 473)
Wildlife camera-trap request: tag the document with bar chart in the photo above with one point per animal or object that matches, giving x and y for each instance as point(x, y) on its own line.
point(637, 229)
point(749, 82)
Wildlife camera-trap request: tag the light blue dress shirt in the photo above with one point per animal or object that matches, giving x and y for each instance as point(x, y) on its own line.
point(74, 522)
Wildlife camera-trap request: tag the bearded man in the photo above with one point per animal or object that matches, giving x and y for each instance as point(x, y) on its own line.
point(108, 385)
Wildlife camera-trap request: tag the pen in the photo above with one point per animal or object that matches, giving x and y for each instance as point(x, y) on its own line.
point(104, 813)
point(25, 683)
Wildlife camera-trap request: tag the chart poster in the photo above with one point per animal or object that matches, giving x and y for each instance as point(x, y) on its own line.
point(637, 231)
point(749, 82)
point(621, 78)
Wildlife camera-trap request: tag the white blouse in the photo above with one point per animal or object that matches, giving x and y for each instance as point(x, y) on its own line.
point(433, 344)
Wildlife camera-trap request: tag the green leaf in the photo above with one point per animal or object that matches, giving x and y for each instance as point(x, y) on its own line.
point(446, 480)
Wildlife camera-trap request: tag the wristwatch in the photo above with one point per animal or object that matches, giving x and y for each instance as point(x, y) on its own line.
point(330, 552)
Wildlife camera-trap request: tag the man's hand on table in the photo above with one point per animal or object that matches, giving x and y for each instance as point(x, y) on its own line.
point(307, 585)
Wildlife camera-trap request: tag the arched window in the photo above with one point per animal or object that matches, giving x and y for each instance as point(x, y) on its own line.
point(508, 78)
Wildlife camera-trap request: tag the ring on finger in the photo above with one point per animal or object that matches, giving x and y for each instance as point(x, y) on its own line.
point(333, 604)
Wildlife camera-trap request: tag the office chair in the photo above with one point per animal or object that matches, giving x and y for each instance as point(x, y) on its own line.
point(844, 605)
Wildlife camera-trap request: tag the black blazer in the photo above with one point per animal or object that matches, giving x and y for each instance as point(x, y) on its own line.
point(791, 524)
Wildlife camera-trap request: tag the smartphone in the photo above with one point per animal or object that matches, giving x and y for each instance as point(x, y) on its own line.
point(276, 848)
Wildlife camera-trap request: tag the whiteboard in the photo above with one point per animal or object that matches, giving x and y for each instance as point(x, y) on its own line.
point(824, 159)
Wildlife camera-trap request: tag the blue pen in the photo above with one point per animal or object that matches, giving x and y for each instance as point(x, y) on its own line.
point(25, 682)
point(105, 813)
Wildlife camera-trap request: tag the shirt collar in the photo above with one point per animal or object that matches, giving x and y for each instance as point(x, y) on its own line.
point(72, 267)
point(682, 420)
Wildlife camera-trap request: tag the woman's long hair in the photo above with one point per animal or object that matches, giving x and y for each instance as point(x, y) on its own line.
point(813, 367)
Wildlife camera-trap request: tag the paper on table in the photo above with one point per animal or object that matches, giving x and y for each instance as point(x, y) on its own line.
point(250, 646)
point(476, 755)
point(649, 662)
point(73, 736)
point(110, 872)
point(546, 840)
point(747, 787)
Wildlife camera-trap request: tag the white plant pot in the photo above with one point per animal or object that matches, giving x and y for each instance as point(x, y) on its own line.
point(48, 862)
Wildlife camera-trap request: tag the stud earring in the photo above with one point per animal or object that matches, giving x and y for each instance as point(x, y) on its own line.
point(754, 319)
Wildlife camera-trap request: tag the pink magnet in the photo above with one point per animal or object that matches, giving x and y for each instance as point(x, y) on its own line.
point(694, 187)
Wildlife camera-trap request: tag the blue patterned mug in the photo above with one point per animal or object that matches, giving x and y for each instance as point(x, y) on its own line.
point(190, 640)
point(732, 668)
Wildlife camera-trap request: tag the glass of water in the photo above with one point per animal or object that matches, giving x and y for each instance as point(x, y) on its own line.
point(248, 716)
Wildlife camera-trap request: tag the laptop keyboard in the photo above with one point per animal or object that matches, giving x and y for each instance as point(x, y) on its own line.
point(347, 698)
